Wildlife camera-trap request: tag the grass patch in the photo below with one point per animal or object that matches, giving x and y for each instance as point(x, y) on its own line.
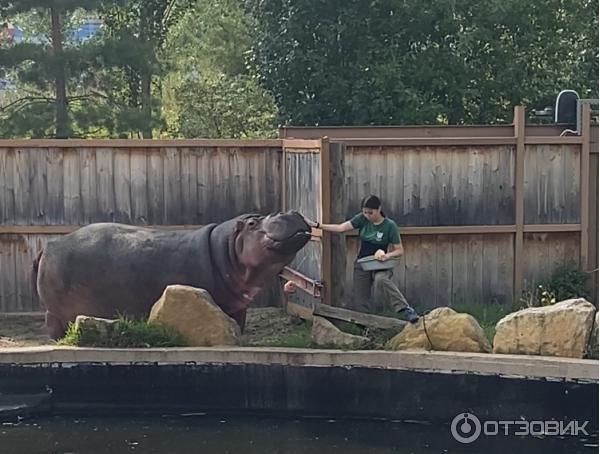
point(297, 337)
point(487, 315)
point(125, 333)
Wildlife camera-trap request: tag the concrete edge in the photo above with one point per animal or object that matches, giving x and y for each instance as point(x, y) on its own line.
point(520, 366)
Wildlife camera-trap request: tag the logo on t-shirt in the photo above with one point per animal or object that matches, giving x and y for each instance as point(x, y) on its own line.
point(379, 236)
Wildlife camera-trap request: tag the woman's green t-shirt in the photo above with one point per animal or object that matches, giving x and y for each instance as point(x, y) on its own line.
point(374, 237)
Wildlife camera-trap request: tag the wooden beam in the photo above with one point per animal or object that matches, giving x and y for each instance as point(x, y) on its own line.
point(584, 178)
point(137, 143)
point(310, 286)
point(317, 234)
point(549, 140)
point(346, 315)
point(34, 315)
point(430, 141)
point(551, 228)
point(302, 144)
point(325, 200)
point(519, 125)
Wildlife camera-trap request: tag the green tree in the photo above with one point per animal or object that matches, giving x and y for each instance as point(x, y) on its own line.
point(209, 90)
point(135, 32)
point(45, 68)
point(401, 62)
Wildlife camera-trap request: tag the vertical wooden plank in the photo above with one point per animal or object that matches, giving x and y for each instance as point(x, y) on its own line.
point(105, 189)
point(426, 187)
point(122, 178)
point(459, 189)
point(475, 269)
point(189, 183)
point(172, 185)
point(156, 200)
point(23, 283)
point(55, 209)
point(585, 185)
point(571, 177)
point(490, 268)
point(443, 285)
point(519, 131)
point(89, 185)
point(427, 279)
point(283, 177)
point(139, 186)
point(414, 273)
point(460, 269)
point(72, 188)
point(444, 209)
point(22, 187)
point(7, 186)
point(39, 190)
point(325, 204)
point(474, 192)
point(505, 259)
point(8, 276)
point(412, 183)
point(593, 227)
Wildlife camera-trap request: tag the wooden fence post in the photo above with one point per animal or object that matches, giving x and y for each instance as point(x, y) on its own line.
point(337, 152)
point(325, 200)
point(519, 132)
point(584, 178)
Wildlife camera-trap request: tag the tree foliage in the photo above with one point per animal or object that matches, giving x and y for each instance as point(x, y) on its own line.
point(399, 62)
point(209, 91)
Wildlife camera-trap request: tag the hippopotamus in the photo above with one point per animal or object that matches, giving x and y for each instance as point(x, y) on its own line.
point(106, 269)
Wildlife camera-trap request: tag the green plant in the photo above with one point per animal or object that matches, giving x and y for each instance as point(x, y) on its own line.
point(568, 281)
point(125, 333)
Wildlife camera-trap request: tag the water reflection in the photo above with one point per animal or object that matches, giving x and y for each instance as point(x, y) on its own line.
point(197, 433)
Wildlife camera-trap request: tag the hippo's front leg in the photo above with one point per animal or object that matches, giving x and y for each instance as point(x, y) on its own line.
point(240, 318)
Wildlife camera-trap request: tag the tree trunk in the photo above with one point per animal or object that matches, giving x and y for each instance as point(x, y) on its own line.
point(62, 120)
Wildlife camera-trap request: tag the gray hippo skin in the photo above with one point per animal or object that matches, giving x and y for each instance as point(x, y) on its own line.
point(107, 269)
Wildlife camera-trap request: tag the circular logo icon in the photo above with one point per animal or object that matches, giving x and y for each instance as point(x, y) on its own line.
point(466, 428)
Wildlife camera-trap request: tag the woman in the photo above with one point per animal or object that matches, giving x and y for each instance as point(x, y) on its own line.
point(376, 231)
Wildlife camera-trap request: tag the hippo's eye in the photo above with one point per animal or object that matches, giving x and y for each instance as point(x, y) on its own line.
point(252, 223)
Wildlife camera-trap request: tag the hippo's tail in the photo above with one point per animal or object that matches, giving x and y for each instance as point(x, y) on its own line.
point(34, 271)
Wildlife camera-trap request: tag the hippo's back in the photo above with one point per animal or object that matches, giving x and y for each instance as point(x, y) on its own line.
point(106, 268)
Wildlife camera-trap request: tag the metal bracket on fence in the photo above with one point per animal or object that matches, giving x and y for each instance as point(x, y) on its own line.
point(310, 286)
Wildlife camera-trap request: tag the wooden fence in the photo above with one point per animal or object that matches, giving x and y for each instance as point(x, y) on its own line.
point(49, 188)
point(483, 213)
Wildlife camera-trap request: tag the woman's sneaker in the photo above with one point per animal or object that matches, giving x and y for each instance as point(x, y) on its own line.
point(410, 314)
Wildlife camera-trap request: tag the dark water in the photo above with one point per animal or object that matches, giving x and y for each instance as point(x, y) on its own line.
point(253, 435)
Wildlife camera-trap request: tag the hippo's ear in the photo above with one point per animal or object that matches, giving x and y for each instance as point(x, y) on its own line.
point(239, 225)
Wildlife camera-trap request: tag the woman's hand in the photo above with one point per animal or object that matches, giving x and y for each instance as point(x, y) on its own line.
point(384, 257)
point(289, 287)
point(310, 222)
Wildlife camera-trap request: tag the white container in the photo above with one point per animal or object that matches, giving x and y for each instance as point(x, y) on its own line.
point(370, 263)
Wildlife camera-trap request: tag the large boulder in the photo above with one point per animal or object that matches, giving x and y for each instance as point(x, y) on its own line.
point(193, 313)
point(325, 333)
point(442, 329)
point(562, 329)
